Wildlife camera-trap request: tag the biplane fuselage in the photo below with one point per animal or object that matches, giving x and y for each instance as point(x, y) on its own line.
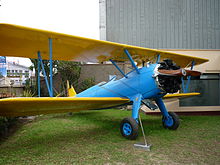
point(136, 86)
point(143, 83)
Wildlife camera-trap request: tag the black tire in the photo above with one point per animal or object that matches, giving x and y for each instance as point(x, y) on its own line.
point(176, 121)
point(132, 132)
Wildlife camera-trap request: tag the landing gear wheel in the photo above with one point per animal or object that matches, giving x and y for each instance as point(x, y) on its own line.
point(129, 128)
point(172, 122)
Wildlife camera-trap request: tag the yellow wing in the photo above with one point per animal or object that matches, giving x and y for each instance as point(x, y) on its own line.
point(21, 41)
point(27, 106)
point(180, 95)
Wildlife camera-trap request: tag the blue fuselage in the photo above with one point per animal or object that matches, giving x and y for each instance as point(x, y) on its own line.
point(143, 83)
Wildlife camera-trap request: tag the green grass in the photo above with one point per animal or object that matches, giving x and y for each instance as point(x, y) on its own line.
point(93, 137)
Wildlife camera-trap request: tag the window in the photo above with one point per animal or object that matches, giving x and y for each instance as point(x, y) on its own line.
point(209, 87)
point(26, 74)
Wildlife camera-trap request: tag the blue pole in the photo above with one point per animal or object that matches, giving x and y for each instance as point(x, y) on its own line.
point(44, 73)
point(132, 61)
point(119, 69)
point(51, 66)
point(38, 73)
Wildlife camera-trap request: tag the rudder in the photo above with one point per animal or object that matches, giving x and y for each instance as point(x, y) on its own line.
point(70, 90)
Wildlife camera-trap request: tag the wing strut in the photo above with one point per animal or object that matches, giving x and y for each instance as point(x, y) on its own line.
point(186, 88)
point(38, 72)
point(40, 63)
point(51, 66)
point(119, 69)
point(158, 58)
point(131, 60)
point(44, 73)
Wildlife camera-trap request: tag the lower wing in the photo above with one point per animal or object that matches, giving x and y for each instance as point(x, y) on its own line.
point(27, 106)
point(180, 95)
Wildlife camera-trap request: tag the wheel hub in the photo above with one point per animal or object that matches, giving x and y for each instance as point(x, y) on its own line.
point(127, 129)
point(168, 121)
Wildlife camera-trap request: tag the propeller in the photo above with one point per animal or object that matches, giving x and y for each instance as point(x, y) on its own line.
point(179, 72)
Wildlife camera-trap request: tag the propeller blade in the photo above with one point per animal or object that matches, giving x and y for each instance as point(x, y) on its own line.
point(179, 72)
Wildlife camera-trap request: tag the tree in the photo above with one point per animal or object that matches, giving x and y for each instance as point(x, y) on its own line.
point(70, 71)
point(34, 67)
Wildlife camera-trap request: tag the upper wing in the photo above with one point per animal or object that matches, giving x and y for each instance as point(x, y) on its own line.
point(21, 41)
point(27, 106)
point(180, 95)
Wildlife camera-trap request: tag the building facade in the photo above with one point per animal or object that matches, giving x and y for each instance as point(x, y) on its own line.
point(159, 24)
point(18, 74)
point(14, 75)
point(190, 27)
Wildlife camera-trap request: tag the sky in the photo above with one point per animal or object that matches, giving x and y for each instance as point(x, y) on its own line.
point(75, 17)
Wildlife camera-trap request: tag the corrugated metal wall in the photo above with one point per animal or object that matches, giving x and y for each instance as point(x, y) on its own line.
point(164, 24)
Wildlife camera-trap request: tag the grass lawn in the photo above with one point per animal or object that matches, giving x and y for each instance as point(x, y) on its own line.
point(93, 137)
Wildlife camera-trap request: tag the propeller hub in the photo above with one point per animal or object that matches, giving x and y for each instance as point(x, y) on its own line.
point(183, 72)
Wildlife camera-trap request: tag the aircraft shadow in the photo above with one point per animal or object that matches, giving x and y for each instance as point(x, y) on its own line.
point(106, 129)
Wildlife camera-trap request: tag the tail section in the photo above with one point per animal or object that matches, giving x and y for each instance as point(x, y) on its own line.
point(71, 91)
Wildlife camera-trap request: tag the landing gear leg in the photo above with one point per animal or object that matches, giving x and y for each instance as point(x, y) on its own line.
point(170, 120)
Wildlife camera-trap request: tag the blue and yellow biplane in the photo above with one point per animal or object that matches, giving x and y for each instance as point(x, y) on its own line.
point(159, 77)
